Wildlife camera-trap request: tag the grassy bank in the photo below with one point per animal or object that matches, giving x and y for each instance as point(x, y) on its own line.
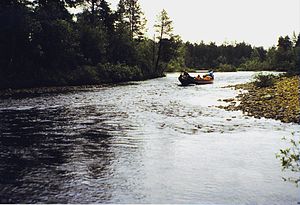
point(279, 100)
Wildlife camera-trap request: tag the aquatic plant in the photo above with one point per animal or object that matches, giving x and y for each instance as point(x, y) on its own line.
point(289, 158)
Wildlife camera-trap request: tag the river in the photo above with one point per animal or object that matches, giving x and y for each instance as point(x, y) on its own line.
point(142, 142)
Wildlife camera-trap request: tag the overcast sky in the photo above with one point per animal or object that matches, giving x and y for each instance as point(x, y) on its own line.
point(258, 22)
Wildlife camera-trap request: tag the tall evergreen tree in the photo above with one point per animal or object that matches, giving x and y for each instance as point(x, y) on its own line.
point(106, 16)
point(284, 54)
point(297, 42)
point(297, 55)
point(120, 13)
point(16, 48)
point(284, 43)
point(164, 29)
point(91, 7)
point(48, 10)
point(135, 17)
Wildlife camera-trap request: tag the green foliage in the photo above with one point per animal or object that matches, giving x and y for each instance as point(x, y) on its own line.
point(271, 58)
point(284, 57)
point(289, 158)
point(284, 43)
point(177, 64)
point(210, 55)
point(41, 44)
point(168, 43)
point(85, 75)
point(264, 80)
point(164, 26)
point(259, 53)
point(284, 60)
point(255, 65)
point(122, 49)
point(296, 69)
point(134, 16)
point(103, 73)
point(59, 44)
point(93, 43)
point(170, 49)
point(118, 72)
point(226, 68)
point(146, 57)
point(106, 16)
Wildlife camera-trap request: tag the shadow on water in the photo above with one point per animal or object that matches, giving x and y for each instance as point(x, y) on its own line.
point(41, 149)
point(189, 85)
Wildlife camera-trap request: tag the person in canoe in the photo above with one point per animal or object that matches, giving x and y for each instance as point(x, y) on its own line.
point(209, 76)
point(186, 79)
point(198, 77)
point(186, 76)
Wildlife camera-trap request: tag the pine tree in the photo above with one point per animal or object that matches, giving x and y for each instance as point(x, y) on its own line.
point(135, 17)
point(106, 16)
point(164, 29)
point(120, 12)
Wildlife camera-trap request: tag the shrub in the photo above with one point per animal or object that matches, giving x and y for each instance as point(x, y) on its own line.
point(226, 68)
point(255, 65)
point(105, 73)
point(118, 72)
point(262, 80)
point(84, 75)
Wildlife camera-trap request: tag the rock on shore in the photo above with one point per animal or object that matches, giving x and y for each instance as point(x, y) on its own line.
point(280, 102)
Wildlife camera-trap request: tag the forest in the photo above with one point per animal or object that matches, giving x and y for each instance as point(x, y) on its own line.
point(43, 44)
point(241, 56)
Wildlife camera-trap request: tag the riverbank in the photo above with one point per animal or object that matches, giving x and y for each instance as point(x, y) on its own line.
point(38, 91)
point(280, 101)
point(31, 92)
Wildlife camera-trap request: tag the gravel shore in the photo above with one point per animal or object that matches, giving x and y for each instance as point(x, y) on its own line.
point(280, 102)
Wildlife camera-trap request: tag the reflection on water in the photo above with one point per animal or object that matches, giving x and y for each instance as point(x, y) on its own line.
point(146, 142)
point(44, 150)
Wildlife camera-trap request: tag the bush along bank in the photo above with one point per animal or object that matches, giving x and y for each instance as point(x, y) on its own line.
point(276, 99)
point(90, 76)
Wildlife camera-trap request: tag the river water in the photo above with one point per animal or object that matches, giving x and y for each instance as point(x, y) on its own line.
point(143, 142)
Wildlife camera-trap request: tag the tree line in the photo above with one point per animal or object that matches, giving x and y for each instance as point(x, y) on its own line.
point(43, 44)
point(241, 56)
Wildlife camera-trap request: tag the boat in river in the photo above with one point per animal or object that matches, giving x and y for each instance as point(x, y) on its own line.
point(186, 79)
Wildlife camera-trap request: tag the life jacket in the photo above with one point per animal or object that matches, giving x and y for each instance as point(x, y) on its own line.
point(207, 77)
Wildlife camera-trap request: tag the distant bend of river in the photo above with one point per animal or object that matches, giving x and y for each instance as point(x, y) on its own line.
point(143, 142)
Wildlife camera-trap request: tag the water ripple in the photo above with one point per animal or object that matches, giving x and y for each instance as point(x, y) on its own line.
point(145, 142)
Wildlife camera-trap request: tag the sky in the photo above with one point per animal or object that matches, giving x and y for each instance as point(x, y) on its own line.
point(257, 22)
